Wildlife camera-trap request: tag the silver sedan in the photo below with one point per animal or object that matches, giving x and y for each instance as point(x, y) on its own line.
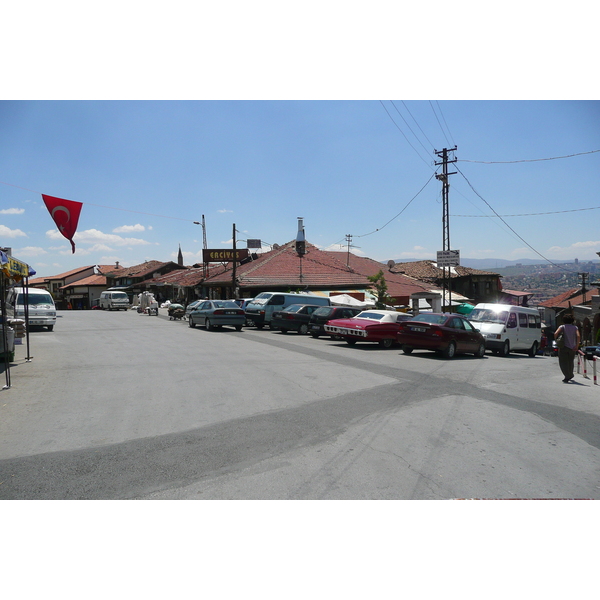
point(216, 313)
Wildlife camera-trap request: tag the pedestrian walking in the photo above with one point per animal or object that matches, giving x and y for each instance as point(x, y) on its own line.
point(569, 346)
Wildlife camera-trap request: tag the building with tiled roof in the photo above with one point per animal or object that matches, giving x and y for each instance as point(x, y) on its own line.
point(57, 283)
point(479, 286)
point(81, 294)
point(583, 305)
point(130, 277)
point(281, 269)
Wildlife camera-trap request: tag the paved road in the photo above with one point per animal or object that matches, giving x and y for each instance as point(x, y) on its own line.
point(122, 405)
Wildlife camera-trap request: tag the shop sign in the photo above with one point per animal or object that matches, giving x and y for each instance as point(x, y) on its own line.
point(224, 255)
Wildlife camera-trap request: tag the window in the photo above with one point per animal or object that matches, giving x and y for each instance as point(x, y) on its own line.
point(512, 321)
point(277, 300)
point(522, 320)
point(532, 321)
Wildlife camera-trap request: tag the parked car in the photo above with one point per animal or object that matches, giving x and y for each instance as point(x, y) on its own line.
point(379, 326)
point(191, 306)
point(294, 318)
point(446, 333)
point(260, 309)
point(591, 351)
point(323, 314)
point(216, 313)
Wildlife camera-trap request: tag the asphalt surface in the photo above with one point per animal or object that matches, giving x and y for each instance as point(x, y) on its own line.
point(119, 405)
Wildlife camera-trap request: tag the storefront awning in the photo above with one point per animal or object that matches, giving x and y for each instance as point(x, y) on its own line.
point(13, 268)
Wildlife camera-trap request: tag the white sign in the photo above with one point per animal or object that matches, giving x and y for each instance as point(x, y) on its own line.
point(448, 258)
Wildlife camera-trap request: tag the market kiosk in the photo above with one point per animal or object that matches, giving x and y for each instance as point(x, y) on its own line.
point(12, 271)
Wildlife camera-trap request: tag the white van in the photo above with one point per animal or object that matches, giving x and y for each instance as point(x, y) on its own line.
point(113, 300)
point(508, 328)
point(40, 305)
point(260, 309)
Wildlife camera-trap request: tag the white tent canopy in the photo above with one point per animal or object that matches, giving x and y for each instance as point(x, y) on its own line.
point(347, 300)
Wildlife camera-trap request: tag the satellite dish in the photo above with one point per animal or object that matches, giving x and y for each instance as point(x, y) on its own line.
point(391, 264)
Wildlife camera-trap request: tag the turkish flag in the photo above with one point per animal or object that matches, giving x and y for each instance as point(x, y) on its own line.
point(65, 214)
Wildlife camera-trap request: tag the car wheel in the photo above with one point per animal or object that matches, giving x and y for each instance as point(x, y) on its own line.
point(450, 350)
point(191, 323)
point(407, 349)
point(50, 327)
point(315, 335)
point(350, 342)
point(238, 327)
point(208, 325)
point(259, 326)
point(533, 350)
point(386, 343)
point(505, 351)
point(283, 330)
point(303, 329)
point(480, 351)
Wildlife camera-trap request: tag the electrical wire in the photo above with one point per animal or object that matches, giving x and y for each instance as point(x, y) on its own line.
point(437, 119)
point(417, 138)
point(446, 124)
point(555, 212)
point(407, 110)
point(507, 162)
point(507, 225)
point(402, 132)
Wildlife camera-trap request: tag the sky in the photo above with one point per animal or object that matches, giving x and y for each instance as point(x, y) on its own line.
point(148, 154)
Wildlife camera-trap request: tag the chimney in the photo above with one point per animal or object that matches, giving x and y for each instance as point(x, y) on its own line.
point(300, 238)
point(117, 265)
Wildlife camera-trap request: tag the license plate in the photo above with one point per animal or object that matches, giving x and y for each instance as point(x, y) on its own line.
point(230, 312)
point(315, 327)
point(419, 329)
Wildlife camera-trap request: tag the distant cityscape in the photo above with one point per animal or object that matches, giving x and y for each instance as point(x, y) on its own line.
point(546, 281)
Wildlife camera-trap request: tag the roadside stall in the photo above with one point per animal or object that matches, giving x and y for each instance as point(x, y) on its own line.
point(12, 271)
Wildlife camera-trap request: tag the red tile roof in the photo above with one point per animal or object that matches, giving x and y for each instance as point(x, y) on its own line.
point(283, 268)
point(91, 280)
point(142, 270)
point(569, 298)
point(428, 270)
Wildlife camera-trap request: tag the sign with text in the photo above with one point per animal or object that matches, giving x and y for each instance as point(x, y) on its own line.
point(448, 258)
point(224, 255)
point(254, 244)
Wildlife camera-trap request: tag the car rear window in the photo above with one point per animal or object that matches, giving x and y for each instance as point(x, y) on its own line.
point(323, 311)
point(431, 318)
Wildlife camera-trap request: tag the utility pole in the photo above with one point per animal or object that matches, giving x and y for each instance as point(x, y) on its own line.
point(204, 246)
point(349, 240)
point(443, 177)
point(234, 263)
point(583, 288)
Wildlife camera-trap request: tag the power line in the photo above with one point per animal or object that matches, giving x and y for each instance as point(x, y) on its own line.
point(437, 119)
point(417, 138)
point(444, 119)
point(402, 132)
point(407, 109)
point(507, 162)
point(507, 225)
point(555, 212)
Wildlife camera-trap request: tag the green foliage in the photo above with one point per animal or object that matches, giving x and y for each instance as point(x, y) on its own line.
point(380, 287)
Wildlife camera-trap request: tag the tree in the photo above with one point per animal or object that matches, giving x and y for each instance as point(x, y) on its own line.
point(380, 287)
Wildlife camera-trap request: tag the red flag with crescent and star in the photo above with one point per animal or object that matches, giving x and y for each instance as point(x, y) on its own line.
point(65, 214)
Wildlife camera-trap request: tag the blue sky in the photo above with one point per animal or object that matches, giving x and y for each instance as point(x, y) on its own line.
point(257, 126)
point(145, 170)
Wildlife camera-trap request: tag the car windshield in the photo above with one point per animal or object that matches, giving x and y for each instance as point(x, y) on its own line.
point(35, 299)
point(120, 296)
point(262, 298)
point(369, 315)
point(431, 318)
point(487, 315)
point(294, 307)
point(225, 305)
point(323, 311)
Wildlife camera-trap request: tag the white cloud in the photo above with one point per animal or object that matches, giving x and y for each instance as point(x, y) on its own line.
point(224, 210)
point(129, 228)
point(30, 251)
point(11, 233)
point(94, 236)
point(12, 211)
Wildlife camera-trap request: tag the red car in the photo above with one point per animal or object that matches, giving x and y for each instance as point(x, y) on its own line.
point(446, 333)
point(379, 326)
